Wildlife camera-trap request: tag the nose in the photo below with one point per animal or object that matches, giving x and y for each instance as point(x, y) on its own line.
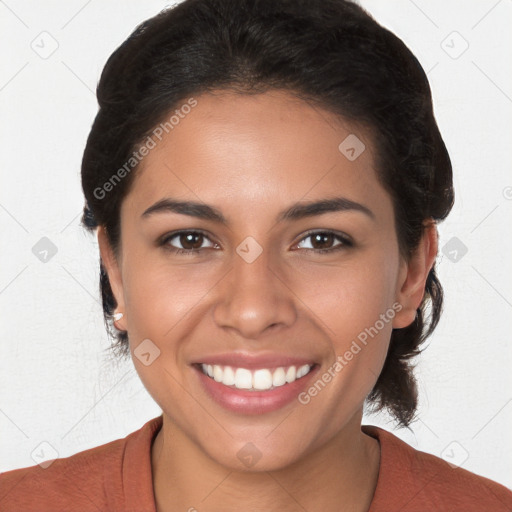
point(254, 297)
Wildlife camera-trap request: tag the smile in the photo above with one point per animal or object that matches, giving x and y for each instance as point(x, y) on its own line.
point(257, 380)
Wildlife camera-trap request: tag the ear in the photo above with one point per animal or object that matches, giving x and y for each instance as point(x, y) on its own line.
point(413, 276)
point(114, 273)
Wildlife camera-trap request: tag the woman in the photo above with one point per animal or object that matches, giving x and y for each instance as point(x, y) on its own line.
point(266, 179)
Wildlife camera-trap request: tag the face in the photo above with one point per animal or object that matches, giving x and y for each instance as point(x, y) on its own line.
point(254, 281)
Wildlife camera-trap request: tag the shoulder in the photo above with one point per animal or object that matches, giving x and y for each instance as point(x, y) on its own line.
point(412, 480)
point(90, 480)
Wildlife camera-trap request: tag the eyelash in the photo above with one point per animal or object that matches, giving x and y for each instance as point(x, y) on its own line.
point(345, 242)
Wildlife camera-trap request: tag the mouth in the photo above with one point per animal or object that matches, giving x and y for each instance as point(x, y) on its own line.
point(254, 388)
point(262, 379)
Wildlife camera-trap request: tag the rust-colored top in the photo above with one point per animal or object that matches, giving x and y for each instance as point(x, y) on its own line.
point(116, 477)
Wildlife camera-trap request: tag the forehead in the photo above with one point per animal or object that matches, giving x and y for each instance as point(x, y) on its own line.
point(255, 153)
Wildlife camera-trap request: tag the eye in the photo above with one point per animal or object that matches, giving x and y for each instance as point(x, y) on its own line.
point(191, 242)
point(326, 238)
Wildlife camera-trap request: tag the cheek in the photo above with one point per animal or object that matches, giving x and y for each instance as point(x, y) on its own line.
point(158, 295)
point(348, 299)
point(354, 307)
point(159, 303)
point(162, 303)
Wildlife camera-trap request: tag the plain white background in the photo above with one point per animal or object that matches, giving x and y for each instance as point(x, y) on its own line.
point(57, 384)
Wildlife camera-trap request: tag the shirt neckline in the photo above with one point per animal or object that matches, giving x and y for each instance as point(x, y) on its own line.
point(137, 473)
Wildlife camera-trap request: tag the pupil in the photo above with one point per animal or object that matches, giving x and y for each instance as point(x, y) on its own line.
point(320, 236)
point(189, 237)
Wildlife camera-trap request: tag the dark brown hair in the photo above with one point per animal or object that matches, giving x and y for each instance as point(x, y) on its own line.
point(328, 52)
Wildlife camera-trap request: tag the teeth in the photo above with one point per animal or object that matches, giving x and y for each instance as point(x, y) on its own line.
point(259, 380)
point(228, 377)
point(291, 374)
point(302, 371)
point(262, 379)
point(243, 378)
point(279, 377)
point(217, 373)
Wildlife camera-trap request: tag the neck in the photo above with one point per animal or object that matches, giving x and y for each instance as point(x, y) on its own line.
point(341, 475)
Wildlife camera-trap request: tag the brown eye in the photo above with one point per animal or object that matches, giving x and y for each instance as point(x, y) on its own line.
point(325, 241)
point(322, 240)
point(191, 242)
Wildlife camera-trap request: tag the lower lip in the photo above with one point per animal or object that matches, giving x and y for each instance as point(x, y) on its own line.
point(243, 401)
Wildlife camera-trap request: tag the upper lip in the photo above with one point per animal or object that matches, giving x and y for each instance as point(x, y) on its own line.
point(254, 361)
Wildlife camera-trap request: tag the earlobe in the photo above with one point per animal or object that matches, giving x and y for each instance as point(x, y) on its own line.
point(413, 276)
point(111, 266)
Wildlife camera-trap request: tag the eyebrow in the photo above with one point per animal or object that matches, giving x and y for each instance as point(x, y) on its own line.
point(294, 212)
